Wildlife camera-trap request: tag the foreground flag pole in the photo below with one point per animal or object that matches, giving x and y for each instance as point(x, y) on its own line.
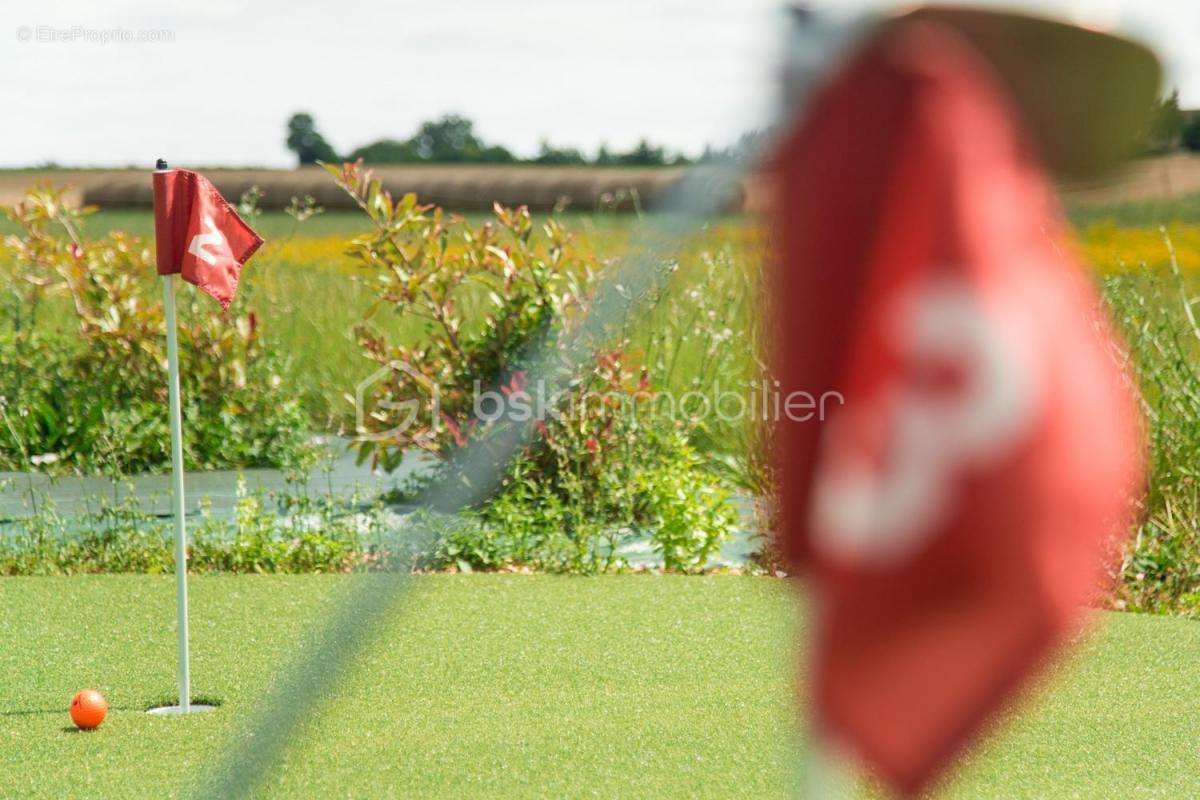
point(199, 236)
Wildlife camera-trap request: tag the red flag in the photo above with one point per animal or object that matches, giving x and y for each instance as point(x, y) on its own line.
point(199, 235)
point(954, 508)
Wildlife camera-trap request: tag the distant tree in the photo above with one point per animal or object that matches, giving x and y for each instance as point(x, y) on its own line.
point(496, 154)
point(304, 140)
point(747, 146)
point(1167, 122)
point(452, 139)
point(449, 140)
point(549, 154)
point(1191, 133)
point(644, 155)
point(387, 151)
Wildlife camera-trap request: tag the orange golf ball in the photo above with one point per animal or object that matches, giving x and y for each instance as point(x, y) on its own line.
point(88, 709)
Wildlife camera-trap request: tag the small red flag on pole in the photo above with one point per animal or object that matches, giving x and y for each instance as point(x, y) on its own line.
point(197, 235)
point(953, 512)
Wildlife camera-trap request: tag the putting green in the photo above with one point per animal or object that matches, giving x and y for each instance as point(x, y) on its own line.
point(530, 686)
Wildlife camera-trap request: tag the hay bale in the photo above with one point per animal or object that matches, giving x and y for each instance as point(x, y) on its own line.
point(456, 187)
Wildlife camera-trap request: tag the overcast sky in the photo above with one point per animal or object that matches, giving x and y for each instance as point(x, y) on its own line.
point(220, 84)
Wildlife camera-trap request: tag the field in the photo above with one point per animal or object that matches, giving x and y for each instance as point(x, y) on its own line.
point(526, 686)
point(462, 186)
point(585, 189)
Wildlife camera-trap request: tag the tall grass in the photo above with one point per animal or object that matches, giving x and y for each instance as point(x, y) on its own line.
point(309, 298)
point(702, 333)
point(1155, 306)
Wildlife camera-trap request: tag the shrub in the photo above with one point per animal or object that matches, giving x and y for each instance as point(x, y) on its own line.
point(602, 465)
point(603, 473)
point(82, 360)
point(483, 295)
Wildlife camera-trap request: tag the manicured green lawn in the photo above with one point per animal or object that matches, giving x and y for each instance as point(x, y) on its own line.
point(511, 686)
point(530, 686)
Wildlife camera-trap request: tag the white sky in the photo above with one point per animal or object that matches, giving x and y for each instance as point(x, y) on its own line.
point(579, 72)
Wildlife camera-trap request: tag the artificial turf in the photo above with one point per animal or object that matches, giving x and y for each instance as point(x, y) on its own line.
point(530, 686)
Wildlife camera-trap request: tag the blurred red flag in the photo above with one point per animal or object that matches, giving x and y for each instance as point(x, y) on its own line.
point(982, 445)
point(199, 235)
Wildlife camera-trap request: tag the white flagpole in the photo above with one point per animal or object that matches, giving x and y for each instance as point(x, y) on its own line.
point(181, 598)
